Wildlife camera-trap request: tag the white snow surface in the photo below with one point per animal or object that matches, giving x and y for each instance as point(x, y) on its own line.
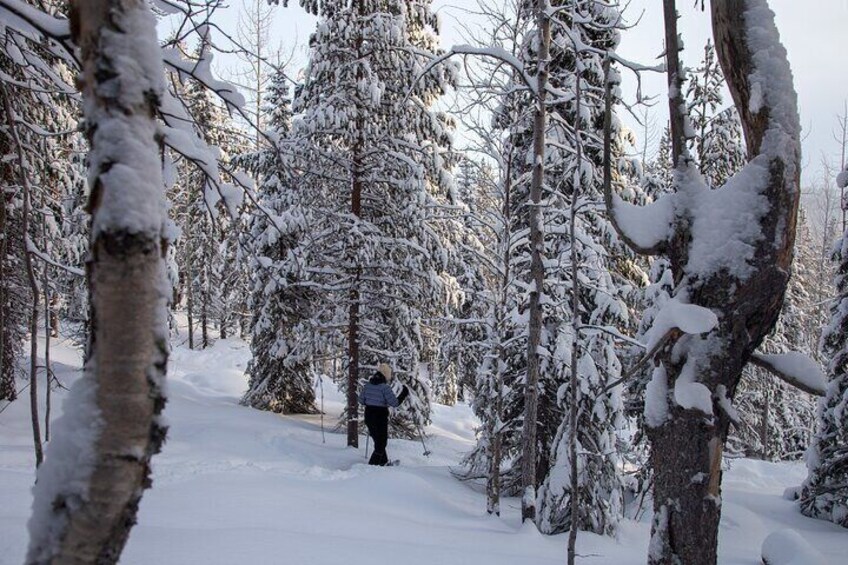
point(649, 225)
point(688, 318)
point(656, 397)
point(235, 485)
point(787, 547)
point(726, 221)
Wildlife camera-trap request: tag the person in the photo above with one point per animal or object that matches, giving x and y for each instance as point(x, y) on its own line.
point(377, 396)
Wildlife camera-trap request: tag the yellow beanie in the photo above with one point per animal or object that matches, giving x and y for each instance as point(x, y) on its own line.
point(385, 370)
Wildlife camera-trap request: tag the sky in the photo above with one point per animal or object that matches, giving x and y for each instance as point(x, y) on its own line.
point(813, 32)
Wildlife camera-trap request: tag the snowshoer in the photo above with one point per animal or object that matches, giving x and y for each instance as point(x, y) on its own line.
point(377, 396)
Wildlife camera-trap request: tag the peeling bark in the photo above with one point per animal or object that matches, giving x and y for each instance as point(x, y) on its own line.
point(686, 449)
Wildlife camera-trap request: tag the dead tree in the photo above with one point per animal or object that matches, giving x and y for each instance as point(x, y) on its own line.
point(98, 463)
point(731, 252)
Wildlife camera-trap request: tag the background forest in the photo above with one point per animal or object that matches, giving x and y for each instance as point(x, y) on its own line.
point(612, 303)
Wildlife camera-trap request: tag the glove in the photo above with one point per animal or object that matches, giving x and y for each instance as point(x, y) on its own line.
point(403, 394)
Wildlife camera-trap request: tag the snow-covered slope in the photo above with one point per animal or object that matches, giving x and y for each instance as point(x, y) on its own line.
point(234, 485)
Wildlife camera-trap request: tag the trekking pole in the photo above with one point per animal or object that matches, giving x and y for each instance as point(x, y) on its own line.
point(421, 437)
point(321, 387)
point(367, 437)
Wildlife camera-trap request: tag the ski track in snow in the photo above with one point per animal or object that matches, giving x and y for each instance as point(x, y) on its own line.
point(235, 485)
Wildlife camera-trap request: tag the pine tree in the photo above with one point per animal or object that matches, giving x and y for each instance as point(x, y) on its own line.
point(377, 173)
point(281, 368)
point(775, 419)
point(502, 378)
point(717, 145)
point(825, 492)
point(583, 244)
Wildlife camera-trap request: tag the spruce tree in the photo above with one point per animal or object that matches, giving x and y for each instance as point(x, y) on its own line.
point(374, 181)
point(502, 378)
point(825, 492)
point(717, 145)
point(583, 244)
point(281, 368)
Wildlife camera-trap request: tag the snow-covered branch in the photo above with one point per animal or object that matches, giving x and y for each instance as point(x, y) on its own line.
point(795, 369)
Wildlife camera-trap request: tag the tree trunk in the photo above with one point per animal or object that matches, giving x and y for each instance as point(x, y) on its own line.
point(190, 300)
point(354, 295)
point(764, 426)
point(576, 328)
point(537, 272)
point(99, 464)
point(7, 380)
point(204, 307)
point(54, 316)
point(353, 321)
point(48, 373)
point(686, 449)
point(30, 270)
point(493, 483)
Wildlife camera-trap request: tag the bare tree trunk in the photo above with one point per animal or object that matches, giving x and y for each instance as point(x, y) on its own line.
point(190, 300)
point(764, 431)
point(85, 512)
point(30, 270)
point(354, 297)
point(353, 319)
point(7, 380)
point(576, 327)
point(204, 307)
point(48, 373)
point(493, 483)
point(537, 272)
point(54, 316)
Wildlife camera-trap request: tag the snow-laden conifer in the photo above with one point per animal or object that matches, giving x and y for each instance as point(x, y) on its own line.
point(281, 367)
point(825, 492)
point(717, 144)
point(572, 175)
point(375, 180)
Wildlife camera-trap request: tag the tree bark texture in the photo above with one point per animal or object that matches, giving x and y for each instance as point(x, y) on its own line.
point(576, 327)
point(7, 379)
point(353, 319)
point(687, 449)
point(354, 295)
point(120, 394)
point(537, 271)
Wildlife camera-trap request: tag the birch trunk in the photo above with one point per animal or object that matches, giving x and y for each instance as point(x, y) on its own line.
point(89, 489)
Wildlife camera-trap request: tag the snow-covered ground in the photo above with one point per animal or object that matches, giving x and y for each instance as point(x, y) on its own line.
point(235, 485)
